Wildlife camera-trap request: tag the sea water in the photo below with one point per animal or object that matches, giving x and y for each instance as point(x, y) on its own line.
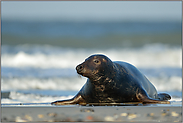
point(38, 59)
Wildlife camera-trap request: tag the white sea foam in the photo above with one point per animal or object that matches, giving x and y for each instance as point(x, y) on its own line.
point(148, 56)
point(16, 97)
point(74, 83)
point(173, 83)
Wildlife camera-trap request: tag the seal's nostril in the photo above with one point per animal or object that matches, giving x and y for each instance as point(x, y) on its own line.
point(79, 67)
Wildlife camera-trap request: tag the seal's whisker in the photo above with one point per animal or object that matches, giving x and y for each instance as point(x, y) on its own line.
point(79, 76)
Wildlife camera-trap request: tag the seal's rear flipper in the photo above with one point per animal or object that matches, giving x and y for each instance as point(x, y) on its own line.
point(164, 96)
point(143, 97)
point(75, 100)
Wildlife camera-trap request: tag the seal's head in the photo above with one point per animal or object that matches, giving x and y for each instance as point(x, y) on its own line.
point(95, 66)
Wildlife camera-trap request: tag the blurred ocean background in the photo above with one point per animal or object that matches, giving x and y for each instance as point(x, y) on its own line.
point(39, 56)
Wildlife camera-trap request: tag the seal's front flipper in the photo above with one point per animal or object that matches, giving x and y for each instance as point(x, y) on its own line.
point(164, 96)
point(75, 100)
point(143, 97)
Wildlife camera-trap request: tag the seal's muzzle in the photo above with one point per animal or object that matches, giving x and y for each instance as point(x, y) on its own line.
point(79, 68)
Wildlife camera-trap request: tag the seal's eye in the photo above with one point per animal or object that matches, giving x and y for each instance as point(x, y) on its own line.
point(96, 60)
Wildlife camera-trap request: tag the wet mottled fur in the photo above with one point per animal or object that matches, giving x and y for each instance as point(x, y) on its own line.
point(113, 82)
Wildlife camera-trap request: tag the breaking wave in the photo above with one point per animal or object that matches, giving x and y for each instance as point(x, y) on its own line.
point(172, 83)
point(148, 56)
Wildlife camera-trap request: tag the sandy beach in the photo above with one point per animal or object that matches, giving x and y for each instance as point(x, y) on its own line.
point(44, 112)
